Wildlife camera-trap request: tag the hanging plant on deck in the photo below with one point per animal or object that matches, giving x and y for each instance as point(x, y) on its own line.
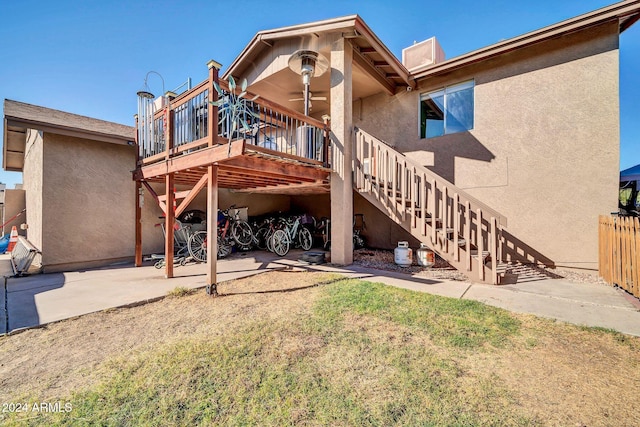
point(235, 110)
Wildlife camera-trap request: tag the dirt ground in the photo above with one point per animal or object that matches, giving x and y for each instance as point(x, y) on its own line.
point(558, 370)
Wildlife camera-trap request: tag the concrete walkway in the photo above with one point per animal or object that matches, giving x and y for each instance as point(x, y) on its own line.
point(41, 299)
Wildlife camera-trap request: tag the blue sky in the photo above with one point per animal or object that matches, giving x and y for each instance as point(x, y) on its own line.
point(90, 57)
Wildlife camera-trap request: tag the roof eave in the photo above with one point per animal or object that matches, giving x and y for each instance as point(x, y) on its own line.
point(68, 131)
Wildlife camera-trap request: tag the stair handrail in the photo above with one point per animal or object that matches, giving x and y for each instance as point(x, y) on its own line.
point(502, 220)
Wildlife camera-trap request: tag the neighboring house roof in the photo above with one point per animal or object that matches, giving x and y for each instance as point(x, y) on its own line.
point(625, 12)
point(19, 116)
point(631, 174)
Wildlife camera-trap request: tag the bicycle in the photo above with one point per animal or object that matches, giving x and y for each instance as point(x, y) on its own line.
point(263, 233)
point(291, 233)
point(181, 235)
point(231, 231)
point(358, 226)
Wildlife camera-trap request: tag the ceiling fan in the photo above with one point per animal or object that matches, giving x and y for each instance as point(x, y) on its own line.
point(311, 98)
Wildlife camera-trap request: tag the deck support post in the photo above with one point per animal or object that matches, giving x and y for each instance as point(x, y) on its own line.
point(342, 151)
point(212, 229)
point(138, 225)
point(168, 225)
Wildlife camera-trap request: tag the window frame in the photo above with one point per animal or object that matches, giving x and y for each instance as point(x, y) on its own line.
point(446, 90)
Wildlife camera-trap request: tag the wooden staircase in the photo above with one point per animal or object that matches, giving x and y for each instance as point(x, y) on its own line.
point(458, 227)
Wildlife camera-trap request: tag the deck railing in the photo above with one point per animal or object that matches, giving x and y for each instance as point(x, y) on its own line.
point(461, 229)
point(278, 129)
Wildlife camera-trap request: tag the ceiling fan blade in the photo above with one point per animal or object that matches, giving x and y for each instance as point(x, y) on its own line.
point(318, 98)
point(296, 99)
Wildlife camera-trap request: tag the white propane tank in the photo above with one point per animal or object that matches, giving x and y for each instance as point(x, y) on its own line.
point(403, 254)
point(425, 256)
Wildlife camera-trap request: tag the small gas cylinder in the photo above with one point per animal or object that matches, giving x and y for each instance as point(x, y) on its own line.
point(403, 254)
point(425, 256)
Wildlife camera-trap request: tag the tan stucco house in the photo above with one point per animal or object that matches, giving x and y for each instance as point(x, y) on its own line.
point(488, 157)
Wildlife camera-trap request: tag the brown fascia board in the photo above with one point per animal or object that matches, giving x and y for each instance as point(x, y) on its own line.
point(363, 29)
point(609, 13)
point(345, 24)
point(30, 116)
point(4, 144)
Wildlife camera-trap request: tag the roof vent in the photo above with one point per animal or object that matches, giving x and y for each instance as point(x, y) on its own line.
point(422, 54)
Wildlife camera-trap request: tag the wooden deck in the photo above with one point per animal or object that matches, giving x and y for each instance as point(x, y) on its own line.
point(277, 151)
point(245, 168)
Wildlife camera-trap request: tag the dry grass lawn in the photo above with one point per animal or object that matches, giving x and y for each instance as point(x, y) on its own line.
point(313, 340)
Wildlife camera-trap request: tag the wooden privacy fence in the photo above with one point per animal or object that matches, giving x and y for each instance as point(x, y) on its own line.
point(619, 258)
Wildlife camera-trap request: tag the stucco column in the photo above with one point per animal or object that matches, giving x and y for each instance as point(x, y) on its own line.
point(342, 153)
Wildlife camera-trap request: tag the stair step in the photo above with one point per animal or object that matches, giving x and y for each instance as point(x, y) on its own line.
point(485, 254)
point(461, 242)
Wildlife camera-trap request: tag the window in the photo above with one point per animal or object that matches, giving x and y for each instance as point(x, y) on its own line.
point(446, 111)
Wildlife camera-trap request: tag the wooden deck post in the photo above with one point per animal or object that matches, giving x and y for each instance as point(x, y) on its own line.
point(212, 115)
point(138, 225)
point(168, 225)
point(212, 229)
point(138, 214)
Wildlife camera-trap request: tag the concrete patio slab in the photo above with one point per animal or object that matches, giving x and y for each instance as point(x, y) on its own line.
point(45, 298)
point(40, 299)
point(577, 303)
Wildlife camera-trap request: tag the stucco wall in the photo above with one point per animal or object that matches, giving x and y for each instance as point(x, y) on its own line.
point(544, 150)
point(14, 203)
point(88, 201)
point(32, 184)
point(256, 203)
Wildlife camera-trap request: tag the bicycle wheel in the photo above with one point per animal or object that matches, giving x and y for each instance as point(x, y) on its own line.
point(280, 242)
point(224, 247)
point(241, 232)
point(270, 241)
point(261, 237)
point(305, 239)
point(197, 246)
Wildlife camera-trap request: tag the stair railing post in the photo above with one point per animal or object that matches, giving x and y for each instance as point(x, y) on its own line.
point(467, 233)
point(385, 178)
point(480, 239)
point(423, 206)
point(493, 249)
point(434, 215)
point(456, 227)
point(394, 182)
point(414, 197)
point(445, 218)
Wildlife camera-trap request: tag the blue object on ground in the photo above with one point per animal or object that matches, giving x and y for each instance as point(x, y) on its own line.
point(4, 243)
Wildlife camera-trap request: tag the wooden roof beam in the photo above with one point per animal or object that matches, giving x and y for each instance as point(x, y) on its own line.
point(374, 72)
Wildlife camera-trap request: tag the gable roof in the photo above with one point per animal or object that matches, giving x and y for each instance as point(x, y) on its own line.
point(625, 12)
point(370, 52)
point(20, 116)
